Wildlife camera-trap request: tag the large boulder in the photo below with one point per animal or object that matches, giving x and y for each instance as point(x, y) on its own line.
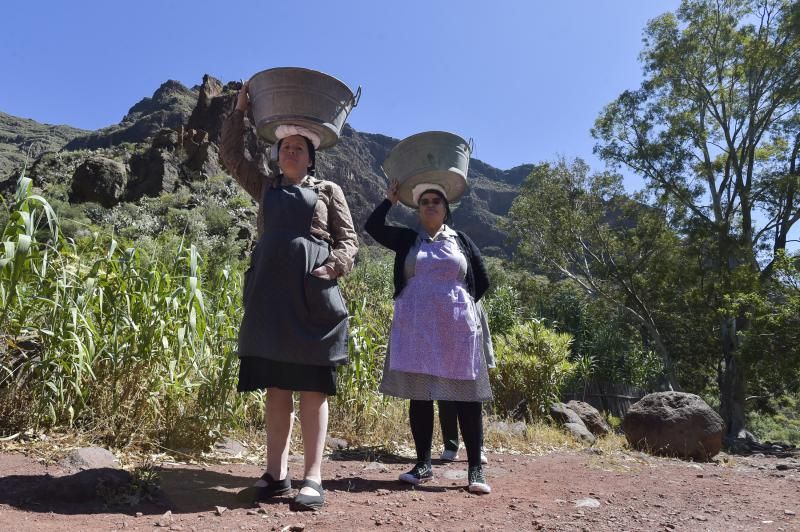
point(90, 458)
point(100, 180)
point(95, 474)
point(590, 416)
point(674, 424)
point(87, 485)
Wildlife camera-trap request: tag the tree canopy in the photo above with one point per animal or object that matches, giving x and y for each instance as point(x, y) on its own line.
point(697, 259)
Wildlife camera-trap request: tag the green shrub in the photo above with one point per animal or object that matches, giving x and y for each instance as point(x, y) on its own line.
point(218, 220)
point(136, 341)
point(780, 425)
point(532, 365)
point(503, 308)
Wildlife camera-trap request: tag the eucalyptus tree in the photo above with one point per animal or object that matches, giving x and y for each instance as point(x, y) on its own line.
point(713, 130)
point(582, 226)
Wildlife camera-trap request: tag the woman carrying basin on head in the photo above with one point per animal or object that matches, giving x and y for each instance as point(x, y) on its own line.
point(294, 329)
point(435, 350)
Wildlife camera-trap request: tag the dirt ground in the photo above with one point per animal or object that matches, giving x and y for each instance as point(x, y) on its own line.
point(566, 490)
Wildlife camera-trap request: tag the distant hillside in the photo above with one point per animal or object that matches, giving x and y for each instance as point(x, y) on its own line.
point(170, 107)
point(168, 143)
point(18, 136)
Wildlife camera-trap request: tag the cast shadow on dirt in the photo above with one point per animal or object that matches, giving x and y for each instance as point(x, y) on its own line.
point(181, 489)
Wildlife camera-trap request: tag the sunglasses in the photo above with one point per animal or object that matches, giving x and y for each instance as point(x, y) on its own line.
point(430, 201)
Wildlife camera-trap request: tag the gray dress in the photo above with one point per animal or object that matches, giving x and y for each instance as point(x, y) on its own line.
point(421, 386)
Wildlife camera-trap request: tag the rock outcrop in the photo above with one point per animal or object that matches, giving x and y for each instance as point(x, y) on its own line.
point(214, 102)
point(22, 139)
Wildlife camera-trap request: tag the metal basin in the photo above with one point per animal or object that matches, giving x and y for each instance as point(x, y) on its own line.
point(290, 95)
point(430, 157)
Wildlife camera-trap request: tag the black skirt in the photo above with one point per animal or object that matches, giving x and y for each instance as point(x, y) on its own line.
point(257, 373)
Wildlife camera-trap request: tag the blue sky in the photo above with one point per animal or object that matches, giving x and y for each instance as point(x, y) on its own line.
point(524, 78)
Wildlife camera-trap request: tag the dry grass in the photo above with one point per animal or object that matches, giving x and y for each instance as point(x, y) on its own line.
point(390, 437)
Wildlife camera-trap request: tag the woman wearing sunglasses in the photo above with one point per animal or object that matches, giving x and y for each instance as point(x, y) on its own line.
point(435, 350)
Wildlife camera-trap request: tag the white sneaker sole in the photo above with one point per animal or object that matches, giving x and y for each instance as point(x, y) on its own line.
point(414, 481)
point(479, 487)
point(448, 456)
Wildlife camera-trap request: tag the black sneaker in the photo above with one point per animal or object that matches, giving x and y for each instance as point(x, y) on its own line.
point(477, 482)
point(420, 473)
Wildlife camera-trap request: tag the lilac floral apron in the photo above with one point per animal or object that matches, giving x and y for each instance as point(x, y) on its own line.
point(435, 330)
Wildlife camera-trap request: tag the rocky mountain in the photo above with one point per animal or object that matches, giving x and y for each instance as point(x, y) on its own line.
point(170, 107)
point(21, 138)
point(168, 144)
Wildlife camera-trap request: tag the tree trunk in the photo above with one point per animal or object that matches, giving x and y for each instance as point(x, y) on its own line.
point(730, 377)
point(668, 381)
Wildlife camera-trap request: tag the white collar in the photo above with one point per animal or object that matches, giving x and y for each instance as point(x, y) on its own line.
point(444, 232)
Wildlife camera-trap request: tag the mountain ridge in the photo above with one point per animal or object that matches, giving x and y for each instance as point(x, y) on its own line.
point(170, 140)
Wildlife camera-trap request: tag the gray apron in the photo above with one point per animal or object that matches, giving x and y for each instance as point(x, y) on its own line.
point(289, 314)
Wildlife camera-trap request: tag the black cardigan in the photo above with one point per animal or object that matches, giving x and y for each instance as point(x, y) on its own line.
point(400, 240)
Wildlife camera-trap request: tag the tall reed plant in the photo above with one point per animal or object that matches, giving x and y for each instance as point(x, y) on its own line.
point(101, 335)
point(358, 407)
point(138, 343)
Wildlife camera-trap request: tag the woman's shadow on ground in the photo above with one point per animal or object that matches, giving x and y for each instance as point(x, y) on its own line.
point(181, 489)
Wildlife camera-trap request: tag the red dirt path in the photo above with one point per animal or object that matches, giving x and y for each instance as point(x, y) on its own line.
point(634, 492)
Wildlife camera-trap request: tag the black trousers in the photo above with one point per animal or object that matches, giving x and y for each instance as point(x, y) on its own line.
point(448, 422)
point(469, 416)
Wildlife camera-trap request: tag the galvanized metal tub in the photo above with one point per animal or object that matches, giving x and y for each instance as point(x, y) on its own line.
point(430, 157)
point(291, 95)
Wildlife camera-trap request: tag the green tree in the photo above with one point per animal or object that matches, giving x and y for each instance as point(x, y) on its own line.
point(581, 226)
point(713, 130)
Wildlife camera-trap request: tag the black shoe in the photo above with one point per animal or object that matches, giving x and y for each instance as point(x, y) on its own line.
point(304, 503)
point(274, 488)
point(477, 482)
point(420, 473)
